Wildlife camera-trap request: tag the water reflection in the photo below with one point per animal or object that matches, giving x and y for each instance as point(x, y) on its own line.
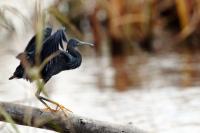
point(170, 70)
point(126, 75)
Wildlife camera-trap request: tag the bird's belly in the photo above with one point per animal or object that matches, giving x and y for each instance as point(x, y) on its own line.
point(52, 69)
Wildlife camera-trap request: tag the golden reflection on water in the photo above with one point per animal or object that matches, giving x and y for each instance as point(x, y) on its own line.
point(125, 75)
point(177, 70)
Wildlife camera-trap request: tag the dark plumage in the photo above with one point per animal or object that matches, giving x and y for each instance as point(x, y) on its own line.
point(64, 59)
point(63, 52)
point(29, 55)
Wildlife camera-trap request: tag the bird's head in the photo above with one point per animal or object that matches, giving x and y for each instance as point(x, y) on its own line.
point(75, 42)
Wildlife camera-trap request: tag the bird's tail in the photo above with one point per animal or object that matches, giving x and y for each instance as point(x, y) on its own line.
point(19, 73)
point(12, 77)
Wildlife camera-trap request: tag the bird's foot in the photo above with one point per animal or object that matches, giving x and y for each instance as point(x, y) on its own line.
point(48, 109)
point(57, 109)
point(62, 108)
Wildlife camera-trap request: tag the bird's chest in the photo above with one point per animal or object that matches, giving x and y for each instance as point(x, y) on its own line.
point(57, 65)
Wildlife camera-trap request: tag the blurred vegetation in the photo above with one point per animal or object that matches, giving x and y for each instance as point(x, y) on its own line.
point(8, 118)
point(126, 26)
point(133, 26)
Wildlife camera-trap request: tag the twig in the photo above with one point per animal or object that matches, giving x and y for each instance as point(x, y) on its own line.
point(58, 121)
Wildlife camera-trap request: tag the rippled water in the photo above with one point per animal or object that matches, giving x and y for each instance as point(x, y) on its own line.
point(155, 93)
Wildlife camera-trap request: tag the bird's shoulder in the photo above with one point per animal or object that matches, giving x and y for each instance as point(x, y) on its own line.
point(53, 44)
point(31, 46)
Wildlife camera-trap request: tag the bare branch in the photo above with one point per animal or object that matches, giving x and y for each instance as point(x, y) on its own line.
point(35, 117)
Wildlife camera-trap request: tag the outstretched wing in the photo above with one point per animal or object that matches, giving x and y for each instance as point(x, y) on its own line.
point(53, 46)
point(29, 55)
point(30, 48)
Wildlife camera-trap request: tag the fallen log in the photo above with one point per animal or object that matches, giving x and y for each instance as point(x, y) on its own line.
point(58, 121)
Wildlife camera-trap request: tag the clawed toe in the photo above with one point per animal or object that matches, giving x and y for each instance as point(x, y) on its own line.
point(62, 108)
point(50, 110)
point(58, 108)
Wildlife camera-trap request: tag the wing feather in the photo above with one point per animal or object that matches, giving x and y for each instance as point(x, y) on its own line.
point(51, 46)
point(30, 48)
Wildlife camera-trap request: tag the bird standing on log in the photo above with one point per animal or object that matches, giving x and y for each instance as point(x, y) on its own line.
point(56, 54)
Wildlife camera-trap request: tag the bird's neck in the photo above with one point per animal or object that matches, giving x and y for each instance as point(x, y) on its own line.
point(76, 55)
point(73, 52)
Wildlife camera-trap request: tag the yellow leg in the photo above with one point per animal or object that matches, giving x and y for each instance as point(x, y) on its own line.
point(58, 106)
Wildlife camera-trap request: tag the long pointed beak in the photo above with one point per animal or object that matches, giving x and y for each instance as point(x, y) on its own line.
point(86, 43)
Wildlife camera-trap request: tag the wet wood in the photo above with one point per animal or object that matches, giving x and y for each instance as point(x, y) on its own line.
point(58, 121)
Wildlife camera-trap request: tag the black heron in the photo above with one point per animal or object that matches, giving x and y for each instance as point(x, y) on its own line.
point(63, 53)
